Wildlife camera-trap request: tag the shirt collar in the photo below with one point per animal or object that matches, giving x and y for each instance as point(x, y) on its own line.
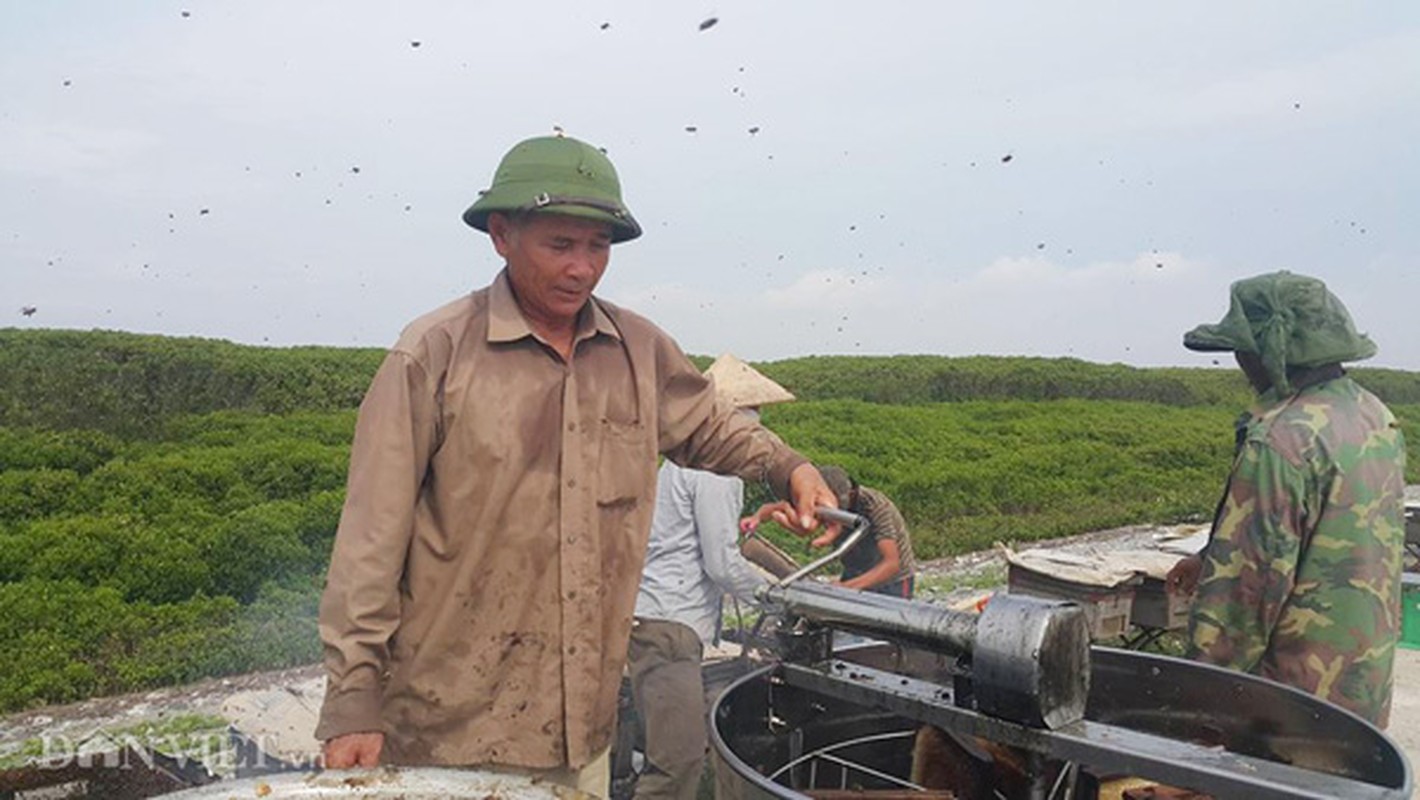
point(1301, 380)
point(506, 322)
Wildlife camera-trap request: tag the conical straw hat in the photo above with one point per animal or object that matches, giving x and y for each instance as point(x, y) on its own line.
point(742, 384)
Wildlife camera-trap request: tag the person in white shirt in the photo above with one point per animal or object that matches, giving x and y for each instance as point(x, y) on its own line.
point(693, 560)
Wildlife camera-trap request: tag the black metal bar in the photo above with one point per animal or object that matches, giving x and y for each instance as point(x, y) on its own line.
point(877, 615)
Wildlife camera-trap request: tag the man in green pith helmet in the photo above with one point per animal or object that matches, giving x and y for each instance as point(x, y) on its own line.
point(1300, 580)
point(502, 479)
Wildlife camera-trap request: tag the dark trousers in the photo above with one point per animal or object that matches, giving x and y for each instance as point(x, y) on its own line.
point(664, 659)
point(902, 587)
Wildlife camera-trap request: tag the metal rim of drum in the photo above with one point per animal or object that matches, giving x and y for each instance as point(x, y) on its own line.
point(1367, 754)
point(411, 783)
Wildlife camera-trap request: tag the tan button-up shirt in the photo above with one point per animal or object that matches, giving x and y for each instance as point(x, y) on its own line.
point(481, 589)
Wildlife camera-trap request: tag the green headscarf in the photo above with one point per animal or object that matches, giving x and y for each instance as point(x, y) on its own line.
point(1288, 321)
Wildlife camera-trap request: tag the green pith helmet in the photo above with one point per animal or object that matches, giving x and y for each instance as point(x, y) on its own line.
point(1288, 321)
point(557, 174)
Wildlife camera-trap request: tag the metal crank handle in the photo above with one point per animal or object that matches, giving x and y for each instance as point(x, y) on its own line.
point(857, 522)
point(845, 518)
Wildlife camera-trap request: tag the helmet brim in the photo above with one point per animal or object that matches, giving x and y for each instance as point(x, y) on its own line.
point(623, 229)
point(1210, 339)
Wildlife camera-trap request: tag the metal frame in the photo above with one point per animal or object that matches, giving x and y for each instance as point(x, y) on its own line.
point(1095, 744)
point(808, 664)
point(826, 753)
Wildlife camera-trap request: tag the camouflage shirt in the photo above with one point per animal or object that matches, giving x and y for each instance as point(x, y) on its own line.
point(1301, 580)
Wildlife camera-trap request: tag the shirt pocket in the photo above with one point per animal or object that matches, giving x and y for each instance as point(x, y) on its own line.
point(624, 464)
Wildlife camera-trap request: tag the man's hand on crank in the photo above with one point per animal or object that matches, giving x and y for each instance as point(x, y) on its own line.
point(1183, 578)
point(807, 491)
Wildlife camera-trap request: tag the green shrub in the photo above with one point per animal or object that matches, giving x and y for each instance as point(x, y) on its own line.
point(76, 450)
point(132, 556)
point(918, 379)
point(32, 493)
point(291, 468)
point(167, 506)
point(65, 641)
point(237, 428)
point(320, 516)
point(131, 384)
point(1409, 418)
point(257, 544)
point(279, 629)
point(968, 474)
point(158, 484)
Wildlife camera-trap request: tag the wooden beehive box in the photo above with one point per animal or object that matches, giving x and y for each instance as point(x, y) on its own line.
point(1107, 608)
point(1156, 608)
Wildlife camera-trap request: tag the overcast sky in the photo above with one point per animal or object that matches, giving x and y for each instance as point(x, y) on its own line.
point(1047, 179)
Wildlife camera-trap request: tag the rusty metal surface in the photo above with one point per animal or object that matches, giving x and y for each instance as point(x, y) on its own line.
point(389, 783)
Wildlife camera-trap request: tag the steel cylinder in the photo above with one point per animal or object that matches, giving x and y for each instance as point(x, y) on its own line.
point(1029, 658)
point(876, 615)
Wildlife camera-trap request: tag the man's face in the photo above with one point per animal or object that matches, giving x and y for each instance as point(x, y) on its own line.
point(554, 262)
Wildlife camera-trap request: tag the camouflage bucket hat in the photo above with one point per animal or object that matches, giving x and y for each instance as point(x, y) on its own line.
point(556, 174)
point(1288, 321)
